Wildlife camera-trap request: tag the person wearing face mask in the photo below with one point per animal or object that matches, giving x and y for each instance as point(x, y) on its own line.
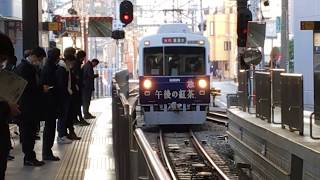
point(7, 109)
point(29, 104)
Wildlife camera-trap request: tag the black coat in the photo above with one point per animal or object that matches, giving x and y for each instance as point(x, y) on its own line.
point(48, 77)
point(62, 77)
point(29, 102)
point(77, 78)
point(87, 77)
point(78, 73)
point(4, 127)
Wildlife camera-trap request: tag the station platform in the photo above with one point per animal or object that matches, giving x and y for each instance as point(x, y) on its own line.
point(273, 152)
point(90, 158)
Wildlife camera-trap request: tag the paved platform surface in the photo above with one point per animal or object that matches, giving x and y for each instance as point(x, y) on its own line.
point(273, 152)
point(276, 129)
point(90, 158)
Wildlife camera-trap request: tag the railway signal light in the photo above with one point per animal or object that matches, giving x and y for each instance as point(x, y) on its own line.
point(126, 12)
point(244, 16)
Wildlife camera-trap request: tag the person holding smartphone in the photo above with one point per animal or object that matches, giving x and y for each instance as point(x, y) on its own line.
point(48, 83)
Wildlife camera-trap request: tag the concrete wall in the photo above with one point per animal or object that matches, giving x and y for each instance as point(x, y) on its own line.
point(308, 10)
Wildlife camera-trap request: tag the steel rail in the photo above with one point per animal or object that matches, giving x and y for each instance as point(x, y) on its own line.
point(218, 121)
point(165, 157)
point(206, 156)
point(224, 116)
point(155, 165)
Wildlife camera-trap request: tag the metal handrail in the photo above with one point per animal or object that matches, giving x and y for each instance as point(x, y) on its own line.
point(155, 165)
point(125, 104)
point(311, 134)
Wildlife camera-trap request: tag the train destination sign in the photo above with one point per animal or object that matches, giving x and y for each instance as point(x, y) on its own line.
point(174, 40)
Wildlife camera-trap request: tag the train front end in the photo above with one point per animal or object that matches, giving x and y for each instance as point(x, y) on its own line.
point(174, 81)
point(174, 100)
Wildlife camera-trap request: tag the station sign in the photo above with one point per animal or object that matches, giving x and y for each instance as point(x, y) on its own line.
point(310, 25)
point(52, 26)
point(72, 23)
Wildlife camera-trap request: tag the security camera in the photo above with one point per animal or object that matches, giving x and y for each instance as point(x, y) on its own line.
point(266, 3)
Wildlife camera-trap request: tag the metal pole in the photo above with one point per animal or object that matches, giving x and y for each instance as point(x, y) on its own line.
point(117, 63)
point(193, 17)
point(172, 11)
point(284, 36)
point(201, 15)
point(30, 18)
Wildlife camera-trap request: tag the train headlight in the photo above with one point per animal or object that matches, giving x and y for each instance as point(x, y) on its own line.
point(147, 84)
point(147, 43)
point(202, 83)
point(201, 42)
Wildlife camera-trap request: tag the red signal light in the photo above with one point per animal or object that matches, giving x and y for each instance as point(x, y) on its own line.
point(126, 12)
point(126, 17)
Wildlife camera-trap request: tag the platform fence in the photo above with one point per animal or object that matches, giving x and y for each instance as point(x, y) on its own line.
point(134, 157)
point(274, 88)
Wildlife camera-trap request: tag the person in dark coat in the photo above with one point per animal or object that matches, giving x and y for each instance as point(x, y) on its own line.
point(6, 109)
point(64, 92)
point(48, 83)
point(88, 86)
point(10, 65)
point(80, 57)
point(29, 104)
point(73, 106)
point(4, 137)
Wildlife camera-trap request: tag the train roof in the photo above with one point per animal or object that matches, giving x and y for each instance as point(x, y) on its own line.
point(173, 30)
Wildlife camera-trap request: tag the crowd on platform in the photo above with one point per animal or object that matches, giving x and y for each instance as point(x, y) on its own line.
point(57, 87)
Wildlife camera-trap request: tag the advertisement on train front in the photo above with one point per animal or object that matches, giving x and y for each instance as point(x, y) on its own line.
point(162, 90)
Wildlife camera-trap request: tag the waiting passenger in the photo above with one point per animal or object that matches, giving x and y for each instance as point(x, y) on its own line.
point(6, 109)
point(49, 88)
point(80, 57)
point(88, 86)
point(29, 104)
point(64, 92)
point(10, 65)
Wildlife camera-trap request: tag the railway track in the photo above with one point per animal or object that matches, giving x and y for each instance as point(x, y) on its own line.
point(185, 157)
point(218, 117)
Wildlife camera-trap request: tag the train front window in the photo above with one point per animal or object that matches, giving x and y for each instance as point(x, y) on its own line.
point(179, 60)
point(153, 61)
point(184, 61)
